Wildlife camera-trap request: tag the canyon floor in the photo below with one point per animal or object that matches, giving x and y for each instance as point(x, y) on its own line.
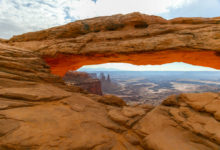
point(152, 87)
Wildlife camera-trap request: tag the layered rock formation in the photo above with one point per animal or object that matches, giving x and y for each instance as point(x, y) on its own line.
point(83, 80)
point(38, 111)
point(187, 121)
point(124, 33)
point(127, 34)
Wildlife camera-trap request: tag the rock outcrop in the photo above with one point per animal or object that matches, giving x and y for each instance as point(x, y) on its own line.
point(39, 112)
point(187, 121)
point(2, 40)
point(84, 81)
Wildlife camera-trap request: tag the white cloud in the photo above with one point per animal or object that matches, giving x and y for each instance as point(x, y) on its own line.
point(177, 66)
point(87, 8)
point(19, 16)
point(32, 15)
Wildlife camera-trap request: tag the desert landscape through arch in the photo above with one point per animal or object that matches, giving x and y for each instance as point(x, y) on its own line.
point(62, 63)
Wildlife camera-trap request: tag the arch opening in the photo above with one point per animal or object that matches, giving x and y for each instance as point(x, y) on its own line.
point(152, 84)
point(61, 63)
point(139, 84)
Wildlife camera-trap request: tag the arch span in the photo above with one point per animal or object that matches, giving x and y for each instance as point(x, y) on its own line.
point(62, 63)
point(134, 38)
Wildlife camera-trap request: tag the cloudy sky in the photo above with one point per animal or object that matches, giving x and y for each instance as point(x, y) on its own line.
point(19, 16)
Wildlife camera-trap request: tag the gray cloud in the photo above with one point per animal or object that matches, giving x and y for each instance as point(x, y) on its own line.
point(9, 28)
point(19, 16)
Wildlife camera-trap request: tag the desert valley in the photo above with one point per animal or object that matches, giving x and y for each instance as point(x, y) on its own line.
point(149, 87)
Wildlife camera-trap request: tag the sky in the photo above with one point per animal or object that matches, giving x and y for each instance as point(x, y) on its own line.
point(20, 16)
point(176, 66)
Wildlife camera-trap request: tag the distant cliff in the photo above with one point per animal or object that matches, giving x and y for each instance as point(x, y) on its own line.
point(83, 80)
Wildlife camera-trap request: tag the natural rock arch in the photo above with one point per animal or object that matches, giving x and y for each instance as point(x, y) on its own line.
point(44, 113)
point(135, 38)
point(62, 63)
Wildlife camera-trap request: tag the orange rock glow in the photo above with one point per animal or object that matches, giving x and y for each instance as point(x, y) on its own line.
point(61, 63)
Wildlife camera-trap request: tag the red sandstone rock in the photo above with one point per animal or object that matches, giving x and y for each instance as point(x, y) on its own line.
point(123, 38)
point(111, 100)
point(133, 32)
point(38, 111)
point(183, 122)
point(62, 63)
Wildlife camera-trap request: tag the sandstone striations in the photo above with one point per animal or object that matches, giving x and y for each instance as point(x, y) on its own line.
point(38, 111)
point(134, 32)
point(187, 121)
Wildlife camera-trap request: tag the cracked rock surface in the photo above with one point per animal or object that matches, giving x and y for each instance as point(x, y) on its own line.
point(182, 122)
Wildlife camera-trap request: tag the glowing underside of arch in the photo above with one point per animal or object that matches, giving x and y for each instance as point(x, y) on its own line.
point(61, 63)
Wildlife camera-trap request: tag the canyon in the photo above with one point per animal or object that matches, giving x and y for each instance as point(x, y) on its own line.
point(84, 81)
point(152, 87)
point(39, 111)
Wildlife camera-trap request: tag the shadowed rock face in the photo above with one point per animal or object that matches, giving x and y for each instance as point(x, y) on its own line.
point(38, 111)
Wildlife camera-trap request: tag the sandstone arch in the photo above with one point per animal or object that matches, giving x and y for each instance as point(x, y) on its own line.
point(44, 113)
point(62, 63)
point(135, 38)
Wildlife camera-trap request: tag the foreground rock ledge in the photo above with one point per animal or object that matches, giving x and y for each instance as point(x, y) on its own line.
point(38, 111)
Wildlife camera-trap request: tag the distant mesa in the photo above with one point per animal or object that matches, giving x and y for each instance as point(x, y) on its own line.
point(108, 87)
point(88, 82)
point(91, 82)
